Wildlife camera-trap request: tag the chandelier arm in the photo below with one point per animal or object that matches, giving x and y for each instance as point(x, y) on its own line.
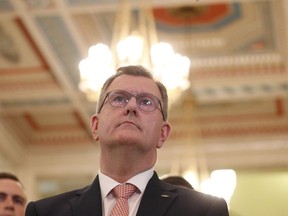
point(121, 27)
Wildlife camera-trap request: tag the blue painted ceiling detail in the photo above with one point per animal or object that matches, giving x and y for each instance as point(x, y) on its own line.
point(5, 5)
point(63, 44)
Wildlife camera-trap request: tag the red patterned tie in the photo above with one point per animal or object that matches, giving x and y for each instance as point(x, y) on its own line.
point(122, 193)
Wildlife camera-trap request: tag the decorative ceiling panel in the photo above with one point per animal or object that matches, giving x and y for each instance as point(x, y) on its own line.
point(102, 31)
point(244, 28)
point(50, 128)
point(63, 45)
point(192, 18)
point(23, 68)
point(239, 78)
point(257, 119)
point(5, 5)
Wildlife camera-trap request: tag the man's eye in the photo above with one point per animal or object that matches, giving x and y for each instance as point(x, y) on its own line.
point(3, 197)
point(19, 200)
point(146, 102)
point(119, 99)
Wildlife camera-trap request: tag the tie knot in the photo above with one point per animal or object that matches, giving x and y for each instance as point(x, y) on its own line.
point(124, 191)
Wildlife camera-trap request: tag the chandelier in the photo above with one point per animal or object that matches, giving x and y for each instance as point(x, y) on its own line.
point(134, 42)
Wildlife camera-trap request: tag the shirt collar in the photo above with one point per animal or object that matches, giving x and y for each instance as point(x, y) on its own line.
point(140, 181)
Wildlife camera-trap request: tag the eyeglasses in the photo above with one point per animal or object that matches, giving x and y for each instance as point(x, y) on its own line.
point(145, 101)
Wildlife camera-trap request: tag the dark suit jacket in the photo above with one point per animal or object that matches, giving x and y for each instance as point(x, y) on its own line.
point(159, 199)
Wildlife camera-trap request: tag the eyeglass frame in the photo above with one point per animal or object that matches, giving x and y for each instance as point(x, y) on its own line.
point(130, 96)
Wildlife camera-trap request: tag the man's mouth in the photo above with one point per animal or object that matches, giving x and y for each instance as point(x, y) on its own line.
point(129, 123)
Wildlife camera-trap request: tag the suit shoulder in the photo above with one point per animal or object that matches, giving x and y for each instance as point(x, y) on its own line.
point(47, 205)
point(63, 196)
point(197, 195)
point(186, 202)
point(202, 200)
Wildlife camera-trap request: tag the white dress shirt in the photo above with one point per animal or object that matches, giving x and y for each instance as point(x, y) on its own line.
point(107, 184)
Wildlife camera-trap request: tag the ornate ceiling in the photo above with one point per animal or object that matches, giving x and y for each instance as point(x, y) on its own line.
point(235, 114)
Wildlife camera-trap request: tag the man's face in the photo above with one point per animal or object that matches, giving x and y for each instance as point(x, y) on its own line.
point(129, 125)
point(12, 198)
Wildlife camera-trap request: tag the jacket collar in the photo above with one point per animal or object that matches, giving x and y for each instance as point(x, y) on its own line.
point(87, 202)
point(157, 197)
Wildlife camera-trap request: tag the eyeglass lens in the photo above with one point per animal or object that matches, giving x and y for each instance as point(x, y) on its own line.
point(146, 102)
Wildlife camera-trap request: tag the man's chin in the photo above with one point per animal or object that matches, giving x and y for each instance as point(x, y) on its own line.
point(8, 214)
point(129, 139)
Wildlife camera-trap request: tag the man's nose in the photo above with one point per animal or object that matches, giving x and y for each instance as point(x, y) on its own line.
point(9, 202)
point(131, 106)
point(132, 102)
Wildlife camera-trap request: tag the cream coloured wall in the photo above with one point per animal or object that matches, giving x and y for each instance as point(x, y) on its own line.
point(62, 165)
point(260, 193)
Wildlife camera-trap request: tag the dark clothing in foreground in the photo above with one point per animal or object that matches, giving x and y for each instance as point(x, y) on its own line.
point(159, 199)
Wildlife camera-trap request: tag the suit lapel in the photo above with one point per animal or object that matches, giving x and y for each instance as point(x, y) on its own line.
point(155, 201)
point(88, 201)
point(156, 198)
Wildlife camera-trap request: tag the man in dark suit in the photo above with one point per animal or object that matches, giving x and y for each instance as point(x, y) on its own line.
point(130, 125)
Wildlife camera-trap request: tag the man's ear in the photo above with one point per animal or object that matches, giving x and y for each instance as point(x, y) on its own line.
point(165, 131)
point(94, 126)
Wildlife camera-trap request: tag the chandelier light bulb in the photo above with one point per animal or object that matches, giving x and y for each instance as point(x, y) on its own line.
point(130, 50)
point(95, 69)
point(101, 54)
